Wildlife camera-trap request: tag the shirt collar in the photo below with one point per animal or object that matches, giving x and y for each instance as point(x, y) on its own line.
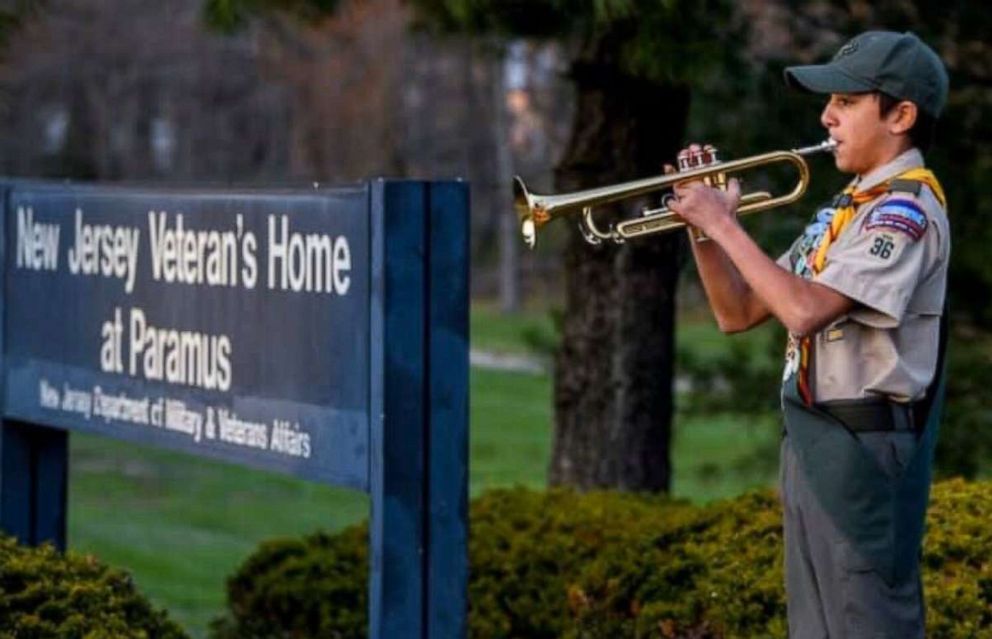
point(909, 159)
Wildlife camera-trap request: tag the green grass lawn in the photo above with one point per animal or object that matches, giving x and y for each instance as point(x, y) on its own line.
point(522, 332)
point(182, 524)
point(534, 330)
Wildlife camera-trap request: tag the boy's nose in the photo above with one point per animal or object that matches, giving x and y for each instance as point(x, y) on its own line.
point(827, 118)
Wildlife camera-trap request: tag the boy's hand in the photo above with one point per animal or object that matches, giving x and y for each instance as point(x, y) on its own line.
point(702, 206)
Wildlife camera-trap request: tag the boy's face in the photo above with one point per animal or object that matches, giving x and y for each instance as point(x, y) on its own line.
point(865, 139)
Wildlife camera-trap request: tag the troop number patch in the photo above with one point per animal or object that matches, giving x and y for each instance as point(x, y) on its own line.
point(904, 216)
point(882, 246)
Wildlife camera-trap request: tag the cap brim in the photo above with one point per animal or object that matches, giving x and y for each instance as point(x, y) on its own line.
point(824, 78)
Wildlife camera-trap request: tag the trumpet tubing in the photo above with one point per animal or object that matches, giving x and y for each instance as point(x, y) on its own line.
point(534, 211)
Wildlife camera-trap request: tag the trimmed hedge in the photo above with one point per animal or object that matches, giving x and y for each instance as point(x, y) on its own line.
point(562, 564)
point(312, 587)
point(44, 594)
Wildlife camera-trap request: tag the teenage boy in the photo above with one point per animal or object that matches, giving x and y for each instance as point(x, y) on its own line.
point(861, 293)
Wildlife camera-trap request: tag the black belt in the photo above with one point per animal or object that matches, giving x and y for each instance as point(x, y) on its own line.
point(876, 414)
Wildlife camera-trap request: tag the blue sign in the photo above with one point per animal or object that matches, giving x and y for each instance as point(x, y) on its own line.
point(234, 326)
point(321, 333)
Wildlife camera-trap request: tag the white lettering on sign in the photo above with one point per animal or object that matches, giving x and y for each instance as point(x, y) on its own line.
point(202, 256)
point(49, 396)
point(181, 419)
point(102, 249)
point(311, 262)
point(111, 358)
point(178, 357)
point(287, 438)
point(235, 430)
point(75, 400)
point(203, 424)
point(37, 243)
point(120, 407)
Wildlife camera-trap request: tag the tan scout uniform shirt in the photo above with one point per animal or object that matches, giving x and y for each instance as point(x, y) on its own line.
point(888, 343)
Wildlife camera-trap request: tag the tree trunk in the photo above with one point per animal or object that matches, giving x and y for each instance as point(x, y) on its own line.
point(613, 372)
point(508, 230)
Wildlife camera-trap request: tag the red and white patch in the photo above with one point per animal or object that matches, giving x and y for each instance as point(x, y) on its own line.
point(904, 216)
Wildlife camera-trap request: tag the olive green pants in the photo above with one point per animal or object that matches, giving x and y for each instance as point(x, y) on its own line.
point(831, 592)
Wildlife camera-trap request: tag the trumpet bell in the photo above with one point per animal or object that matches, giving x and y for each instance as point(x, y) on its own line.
point(525, 211)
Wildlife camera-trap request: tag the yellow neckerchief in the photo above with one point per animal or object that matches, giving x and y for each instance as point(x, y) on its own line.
point(856, 198)
point(852, 199)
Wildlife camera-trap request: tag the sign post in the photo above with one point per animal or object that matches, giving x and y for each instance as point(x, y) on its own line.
point(317, 333)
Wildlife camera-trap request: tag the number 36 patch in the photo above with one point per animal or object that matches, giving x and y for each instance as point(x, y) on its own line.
point(882, 246)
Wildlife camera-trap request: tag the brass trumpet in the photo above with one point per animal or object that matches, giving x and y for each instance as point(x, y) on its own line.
point(534, 211)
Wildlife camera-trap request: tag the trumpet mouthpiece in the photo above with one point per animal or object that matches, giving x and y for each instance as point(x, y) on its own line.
point(828, 145)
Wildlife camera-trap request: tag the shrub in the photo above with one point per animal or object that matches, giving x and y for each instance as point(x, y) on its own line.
point(44, 594)
point(310, 587)
point(716, 574)
point(563, 564)
point(527, 550)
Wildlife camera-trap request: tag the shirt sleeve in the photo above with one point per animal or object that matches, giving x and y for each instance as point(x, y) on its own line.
point(878, 260)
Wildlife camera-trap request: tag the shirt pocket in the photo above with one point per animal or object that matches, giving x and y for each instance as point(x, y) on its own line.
point(838, 361)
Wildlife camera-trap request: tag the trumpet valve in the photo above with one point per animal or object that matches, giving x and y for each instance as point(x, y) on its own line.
point(696, 159)
point(708, 155)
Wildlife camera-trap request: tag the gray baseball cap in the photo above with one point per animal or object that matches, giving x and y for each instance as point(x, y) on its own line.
point(899, 64)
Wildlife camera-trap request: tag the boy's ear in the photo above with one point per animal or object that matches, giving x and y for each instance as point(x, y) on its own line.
point(902, 117)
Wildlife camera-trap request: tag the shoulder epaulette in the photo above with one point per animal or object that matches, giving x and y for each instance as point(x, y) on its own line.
point(906, 186)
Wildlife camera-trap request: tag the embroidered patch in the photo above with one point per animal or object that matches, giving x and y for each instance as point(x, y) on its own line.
point(847, 49)
point(898, 215)
point(835, 334)
point(882, 246)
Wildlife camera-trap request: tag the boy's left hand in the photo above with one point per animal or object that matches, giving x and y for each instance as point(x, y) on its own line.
point(702, 206)
point(706, 207)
